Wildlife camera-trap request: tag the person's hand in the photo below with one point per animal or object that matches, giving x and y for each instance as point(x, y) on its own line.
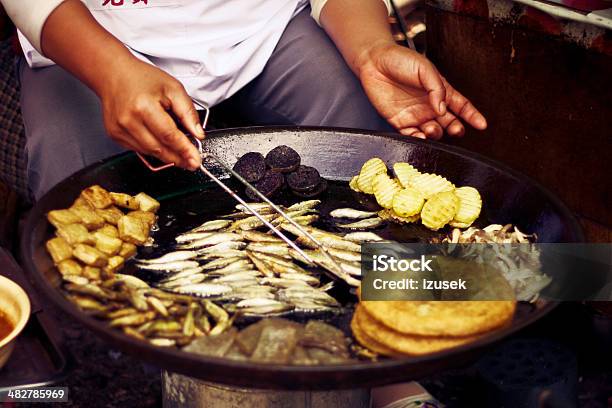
point(410, 93)
point(136, 103)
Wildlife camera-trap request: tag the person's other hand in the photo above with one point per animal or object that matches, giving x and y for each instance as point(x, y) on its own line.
point(137, 101)
point(408, 91)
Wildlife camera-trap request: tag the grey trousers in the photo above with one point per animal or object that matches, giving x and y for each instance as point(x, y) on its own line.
point(306, 82)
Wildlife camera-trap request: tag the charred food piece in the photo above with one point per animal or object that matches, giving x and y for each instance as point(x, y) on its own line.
point(304, 179)
point(269, 185)
point(313, 192)
point(251, 166)
point(283, 159)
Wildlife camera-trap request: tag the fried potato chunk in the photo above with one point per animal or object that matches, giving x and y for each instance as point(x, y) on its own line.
point(75, 234)
point(107, 244)
point(62, 217)
point(59, 249)
point(88, 217)
point(97, 196)
point(114, 264)
point(69, 267)
point(92, 273)
point(133, 230)
point(127, 250)
point(109, 230)
point(110, 214)
point(89, 255)
point(80, 202)
point(146, 202)
point(125, 201)
point(148, 218)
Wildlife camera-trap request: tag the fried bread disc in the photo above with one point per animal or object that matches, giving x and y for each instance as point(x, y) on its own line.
point(366, 341)
point(318, 189)
point(304, 179)
point(283, 159)
point(251, 166)
point(441, 318)
point(269, 185)
point(403, 343)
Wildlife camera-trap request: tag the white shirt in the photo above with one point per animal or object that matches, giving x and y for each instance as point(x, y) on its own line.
point(214, 47)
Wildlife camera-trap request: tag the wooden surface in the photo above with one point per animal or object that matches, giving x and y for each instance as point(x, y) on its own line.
point(548, 104)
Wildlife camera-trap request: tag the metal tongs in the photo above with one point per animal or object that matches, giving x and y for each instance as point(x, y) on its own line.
point(340, 272)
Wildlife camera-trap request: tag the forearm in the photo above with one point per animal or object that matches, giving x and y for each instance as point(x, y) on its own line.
point(355, 26)
point(73, 39)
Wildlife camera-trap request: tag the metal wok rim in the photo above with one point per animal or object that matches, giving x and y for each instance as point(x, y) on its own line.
point(156, 354)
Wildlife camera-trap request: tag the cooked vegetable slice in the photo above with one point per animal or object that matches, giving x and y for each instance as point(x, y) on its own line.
point(109, 230)
point(439, 210)
point(127, 250)
point(404, 173)
point(89, 255)
point(107, 244)
point(391, 215)
point(146, 202)
point(59, 249)
point(97, 196)
point(133, 230)
point(371, 168)
point(148, 218)
point(91, 272)
point(429, 184)
point(353, 184)
point(74, 234)
point(384, 190)
point(110, 214)
point(88, 217)
point(470, 205)
point(125, 201)
point(408, 202)
point(62, 217)
point(114, 264)
point(69, 267)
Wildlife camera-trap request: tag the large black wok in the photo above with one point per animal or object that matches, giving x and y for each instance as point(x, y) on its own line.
point(509, 197)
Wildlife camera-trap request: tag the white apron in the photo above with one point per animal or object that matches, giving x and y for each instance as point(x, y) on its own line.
point(214, 47)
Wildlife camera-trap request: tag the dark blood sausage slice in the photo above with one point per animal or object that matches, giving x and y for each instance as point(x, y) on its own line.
point(268, 186)
point(251, 166)
point(318, 189)
point(304, 179)
point(283, 159)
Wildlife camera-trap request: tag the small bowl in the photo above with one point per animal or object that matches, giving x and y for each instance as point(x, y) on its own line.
point(15, 305)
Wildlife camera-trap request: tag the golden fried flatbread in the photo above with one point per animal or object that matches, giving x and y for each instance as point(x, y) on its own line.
point(368, 342)
point(441, 318)
point(402, 343)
